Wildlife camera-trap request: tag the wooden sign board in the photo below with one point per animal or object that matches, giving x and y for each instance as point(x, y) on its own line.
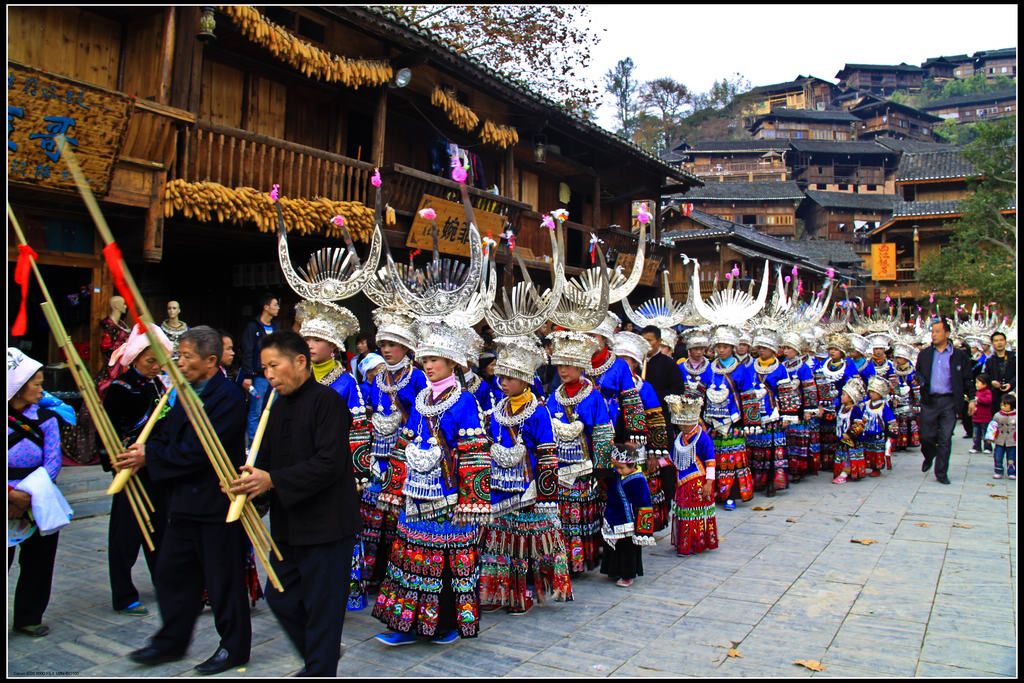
point(41, 106)
point(452, 227)
point(650, 271)
point(883, 261)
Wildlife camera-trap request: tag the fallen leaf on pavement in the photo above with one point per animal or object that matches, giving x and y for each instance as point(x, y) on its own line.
point(958, 525)
point(735, 653)
point(770, 507)
point(863, 541)
point(989, 484)
point(812, 664)
point(791, 520)
point(993, 495)
point(922, 524)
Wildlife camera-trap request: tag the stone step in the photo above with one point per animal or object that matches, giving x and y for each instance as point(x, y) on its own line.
point(85, 489)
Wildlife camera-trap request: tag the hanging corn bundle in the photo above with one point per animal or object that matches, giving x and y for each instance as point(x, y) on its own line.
point(459, 114)
point(502, 136)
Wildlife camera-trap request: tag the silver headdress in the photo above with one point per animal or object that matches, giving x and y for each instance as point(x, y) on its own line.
point(518, 357)
point(838, 340)
point(880, 340)
point(669, 338)
point(877, 322)
point(619, 286)
point(583, 310)
point(607, 327)
point(725, 334)
point(689, 315)
point(528, 309)
point(778, 313)
point(571, 347)
point(859, 343)
point(685, 410)
point(855, 388)
point(767, 338)
point(697, 336)
point(632, 345)
point(982, 327)
point(730, 306)
point(326, 321)
point(662, 312)
point(395, 326)
point(625, 457)
point(442, 340)
point(879, 386)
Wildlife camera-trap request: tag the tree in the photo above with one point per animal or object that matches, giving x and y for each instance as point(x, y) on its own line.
point(622, 86)
point(670, 99)
point(982, 251)
point(543, 47)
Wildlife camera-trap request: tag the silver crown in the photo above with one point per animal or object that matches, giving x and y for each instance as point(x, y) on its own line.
point(767, 338)
point(860, 344)
point(697, 336)
point(572, 348)
point(730, 306)
point(685, 410)
point(794, 340)
point(879, 340)
point(518, 357)
point(632, 345)
point(528, 308)
point(625, 457)
point(855, 389)
point(838, 340)
point(902, 350)
point(662, 312)
point(607, 327)
point(669, 338)
point(725, 334)
point(394, 326)
point(583, 310)
point(326, 321)
point(443, 340)
point(746, 336)
point(879, 386)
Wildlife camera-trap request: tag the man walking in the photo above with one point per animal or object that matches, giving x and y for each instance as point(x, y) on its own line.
point(253, 380)
point(306, 465)
point(946, 379)
point(1001, 367)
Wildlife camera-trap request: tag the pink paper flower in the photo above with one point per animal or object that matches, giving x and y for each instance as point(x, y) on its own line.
point(888, 300)
point(275, 193)
point(338, 220)
point(830, 273)
point(735, 270)
point(459, 174)
point(728, 276)
point(428, 214)
point(548, 222)
point(794, 271)
point(375, 180)
point(643, 216)
point(787, 279)
point(931, 299)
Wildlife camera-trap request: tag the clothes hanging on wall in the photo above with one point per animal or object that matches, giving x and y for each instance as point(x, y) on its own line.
point(441, 152)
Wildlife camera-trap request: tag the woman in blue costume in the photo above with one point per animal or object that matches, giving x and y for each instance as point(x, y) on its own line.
point(766, 441)
point(729, 379)
point(615, 381)
point(522, 551)
point(830, 378)
point(392, 396)
point(696, 367)
point(878, 365)
point(430, 588)
point(794, 409)
point(583, 436)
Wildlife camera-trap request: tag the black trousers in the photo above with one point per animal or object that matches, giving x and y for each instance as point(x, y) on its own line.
point(194, 555)
point(936, 424)
point(36, 557)
point(124, 538)
point(967, 421)
point(312, 607)
point(624, 561)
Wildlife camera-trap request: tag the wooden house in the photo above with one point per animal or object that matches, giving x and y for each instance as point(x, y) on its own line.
point(881, 79)
point(804, 124)
point(844, 216)
point(768, 207)
point(994, 63)
point(803, 92)
point(970, 108)
point(894, 120)
point(945, 68)
point(843, 166)
point(185, 117)
point(735, 160)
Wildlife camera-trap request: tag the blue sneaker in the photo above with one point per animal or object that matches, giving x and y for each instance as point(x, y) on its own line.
point(394, 639)
point(446, 638)
point(730, 504)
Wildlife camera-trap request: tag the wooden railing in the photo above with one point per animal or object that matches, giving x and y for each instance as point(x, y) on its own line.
point(237, 158)
point(738, 167)
point(906, 274)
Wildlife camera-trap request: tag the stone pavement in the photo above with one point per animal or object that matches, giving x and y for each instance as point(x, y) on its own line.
point(934, 595)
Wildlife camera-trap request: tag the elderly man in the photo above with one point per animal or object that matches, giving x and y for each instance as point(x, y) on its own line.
point(946, 378)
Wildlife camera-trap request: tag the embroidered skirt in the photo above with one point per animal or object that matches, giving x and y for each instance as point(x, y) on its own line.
point(798, 449)
point(828, 438)
point(519, 549)
point(731, 466)
point(624, 561)
point(581, 509)
point(874, 451)
point(357, 599)
point(693, 518)
point(768, 461)
point(908, 436)
point(849, 459)
point(659, 502)
point(379, 528)
point(431, 582)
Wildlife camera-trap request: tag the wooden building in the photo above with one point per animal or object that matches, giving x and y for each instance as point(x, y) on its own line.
point(995, 63)
point(970, 108)
point(881, 79)
point(894, 120)
point(806, 124)
point(945, 68)
point(844, 216)
point(735, 160)
point(768, 207)
point(183, 135)
point(862, 167)
point(803, 92)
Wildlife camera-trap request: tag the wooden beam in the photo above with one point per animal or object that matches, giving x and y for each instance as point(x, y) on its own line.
point(509, 185)
point(379, 128)
point(153, 230)
point(167, 58)
point(597, 202)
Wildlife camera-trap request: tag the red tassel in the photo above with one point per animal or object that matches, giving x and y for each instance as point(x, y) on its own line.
point(21, 275)
point(116, 264)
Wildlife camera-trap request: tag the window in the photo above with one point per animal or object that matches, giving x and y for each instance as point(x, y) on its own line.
point(925, 131)
point(1007, 108)
point(842, 135)
point(981, 112)
point(1002, 70)
point(821, 186)
point(769, 133)
point(885, 119)
point(872, 188)
point(748, 219)
point(798, 134)
point(843, 187)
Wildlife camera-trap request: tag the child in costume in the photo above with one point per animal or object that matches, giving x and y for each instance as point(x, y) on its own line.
point(849, 425)
point(628, 517)
point(693, 511)
point(906, 396)
point(879, 426)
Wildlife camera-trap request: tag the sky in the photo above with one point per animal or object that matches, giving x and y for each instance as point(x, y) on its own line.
point(768, 43)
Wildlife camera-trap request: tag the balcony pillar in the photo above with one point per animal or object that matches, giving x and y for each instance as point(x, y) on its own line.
point(379, 127)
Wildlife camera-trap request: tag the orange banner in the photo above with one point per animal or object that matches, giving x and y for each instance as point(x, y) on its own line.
point(883, 261)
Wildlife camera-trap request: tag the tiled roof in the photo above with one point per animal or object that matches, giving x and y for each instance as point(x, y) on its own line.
point(868, 108)
point(850, 200)
point(994, 54)
point(827, 252)
point(798, 82)
point(954, 59)
point(879, 67)
point(387, 19)
point(773, 190)
point(835, 147)
point(902, 209)
point(933, 166)
point(735, 146)
point(909, 145)
point(1004, 95)
point(807, 115)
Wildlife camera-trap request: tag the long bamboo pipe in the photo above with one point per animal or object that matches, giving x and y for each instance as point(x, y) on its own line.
point(258, 534)
point(122, 477)
point(235, 511)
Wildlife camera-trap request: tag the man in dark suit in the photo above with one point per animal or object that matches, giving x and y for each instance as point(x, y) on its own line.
point(199, 549)
point(947, 382)
point(305, 464)
point(1001, 368)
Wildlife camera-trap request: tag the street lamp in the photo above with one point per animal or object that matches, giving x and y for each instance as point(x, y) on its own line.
point(207, 23)
point(402, 77)
point(540, 149)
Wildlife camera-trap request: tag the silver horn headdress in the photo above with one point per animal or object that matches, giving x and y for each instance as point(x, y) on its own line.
point(619, 286)
point(584, 309)
point(730, 306)
point(662, 312)
point(526, 309)
point(976, 326)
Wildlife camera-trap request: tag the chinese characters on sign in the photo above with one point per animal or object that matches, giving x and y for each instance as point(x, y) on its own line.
point(883, 261)
point(43, 106)
point(649, 272)
point(452, 228)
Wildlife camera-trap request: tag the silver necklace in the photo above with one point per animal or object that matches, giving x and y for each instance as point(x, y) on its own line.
point(603, 368)
point(427, 410)
point(699, 370)
point(397, 386)
point(563, 398)
point(717, 368)
point(513, 420)
point(770, 369)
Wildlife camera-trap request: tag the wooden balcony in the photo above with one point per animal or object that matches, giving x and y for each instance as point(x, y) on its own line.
point(238, 158)
point(738, 167)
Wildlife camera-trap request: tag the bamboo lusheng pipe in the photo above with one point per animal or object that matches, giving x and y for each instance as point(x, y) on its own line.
point(236, 506)
point(122, 476)
point(108, 436)
point(258, 534)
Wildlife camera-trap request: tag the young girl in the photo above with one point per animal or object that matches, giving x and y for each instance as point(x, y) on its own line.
point(907, 396)
point(693, 453)
point(1006, 438)
point(879, 425)
point(849, 425)
point(982, 410)
point(628, 517)
point(830, 378)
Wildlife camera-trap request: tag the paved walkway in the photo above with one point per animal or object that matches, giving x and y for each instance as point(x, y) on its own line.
point(935, 595)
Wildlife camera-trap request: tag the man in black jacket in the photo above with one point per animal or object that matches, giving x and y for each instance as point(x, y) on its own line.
point(305, 464)
point(947, 381)
point(199, 549)
point(1001, 367)
point(252, 372)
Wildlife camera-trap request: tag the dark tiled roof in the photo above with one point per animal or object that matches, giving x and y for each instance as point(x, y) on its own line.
point(735, 146)
point(772, 190)
point(798, 82)
point(954, 59)
point(879, 67)
point(1004, 95)
point(850, 200)
point(870, 107)
point(935, 207)
point(386, 19)
point(912, 145)
point(807, 115)
point(933, 166)
point(827, 252)
point(995, 54)
point(833, 147)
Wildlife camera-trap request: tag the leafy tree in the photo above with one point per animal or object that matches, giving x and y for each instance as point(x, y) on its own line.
point(974, 85)
point(954, 133)
point(982, 251)
point(670, 99)
point(622, 86)
point(543, 47)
